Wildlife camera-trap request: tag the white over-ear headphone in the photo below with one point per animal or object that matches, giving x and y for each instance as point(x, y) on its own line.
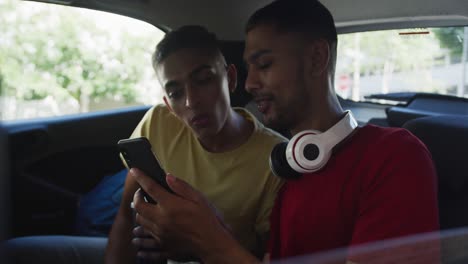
point(309, 150)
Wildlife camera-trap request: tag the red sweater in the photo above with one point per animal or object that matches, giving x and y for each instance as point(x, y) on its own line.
point(379, 184)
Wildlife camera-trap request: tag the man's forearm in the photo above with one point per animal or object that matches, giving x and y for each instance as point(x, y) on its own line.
point(119, 246)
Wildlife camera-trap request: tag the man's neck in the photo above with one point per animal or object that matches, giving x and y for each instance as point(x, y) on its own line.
point(322, 118)
point(235, 132)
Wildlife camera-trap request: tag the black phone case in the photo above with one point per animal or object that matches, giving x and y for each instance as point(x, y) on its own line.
point(138, 154)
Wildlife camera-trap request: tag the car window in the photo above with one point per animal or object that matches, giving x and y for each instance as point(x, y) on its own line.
point(58, 60)
point(419, 60)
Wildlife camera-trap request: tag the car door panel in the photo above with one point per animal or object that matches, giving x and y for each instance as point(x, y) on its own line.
point(56, 160)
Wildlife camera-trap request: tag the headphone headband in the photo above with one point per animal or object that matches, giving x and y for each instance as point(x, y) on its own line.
point(341, 130)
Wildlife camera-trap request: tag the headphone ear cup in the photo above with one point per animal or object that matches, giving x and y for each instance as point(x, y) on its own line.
point(279, 164)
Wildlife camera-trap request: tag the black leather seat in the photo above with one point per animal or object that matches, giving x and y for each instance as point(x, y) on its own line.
point(446, 137)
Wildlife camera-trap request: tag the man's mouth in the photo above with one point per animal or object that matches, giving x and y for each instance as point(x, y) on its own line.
point(263, 103)
point(200, 120)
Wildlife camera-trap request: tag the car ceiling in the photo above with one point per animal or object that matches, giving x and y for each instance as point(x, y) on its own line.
point(227, 18)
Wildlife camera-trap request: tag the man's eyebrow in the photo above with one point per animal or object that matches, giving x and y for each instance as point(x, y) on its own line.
point(199, 69)
point(254, 56)
point(173, 83)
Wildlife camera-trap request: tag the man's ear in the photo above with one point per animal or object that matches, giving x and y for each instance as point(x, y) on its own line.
point(167, 103)
point(317, 56)
point(232, 77)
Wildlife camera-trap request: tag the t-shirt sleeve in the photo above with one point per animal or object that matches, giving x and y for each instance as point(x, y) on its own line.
point(399, 192)
point(143, 127)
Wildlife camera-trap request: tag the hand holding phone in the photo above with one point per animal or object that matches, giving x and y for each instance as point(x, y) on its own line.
point(137, 153)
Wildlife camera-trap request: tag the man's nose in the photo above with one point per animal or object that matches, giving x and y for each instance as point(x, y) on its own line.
point(192, 98)
point(252, 81)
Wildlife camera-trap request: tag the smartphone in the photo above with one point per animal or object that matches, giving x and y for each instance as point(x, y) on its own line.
point(137, 153)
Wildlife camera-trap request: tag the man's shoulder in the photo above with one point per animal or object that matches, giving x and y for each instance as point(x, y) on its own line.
point(390, 136)
point(160, 115)
point(158, 111)
point(270, 134)
point(260, 131)
point(391, 145)
point(159, 122)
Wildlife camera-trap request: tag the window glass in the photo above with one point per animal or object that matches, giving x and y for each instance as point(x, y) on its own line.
point(57, 60)
point(421, 60)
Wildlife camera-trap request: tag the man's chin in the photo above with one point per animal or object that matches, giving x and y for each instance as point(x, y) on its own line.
point(276, 123)
point(204, 134)
point(271, 122)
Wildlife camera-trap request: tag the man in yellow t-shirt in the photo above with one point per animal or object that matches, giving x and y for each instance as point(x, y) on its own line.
point(221, 151)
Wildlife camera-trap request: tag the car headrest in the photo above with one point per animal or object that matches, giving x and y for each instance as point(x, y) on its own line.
point(233, 52)
point(446, 137)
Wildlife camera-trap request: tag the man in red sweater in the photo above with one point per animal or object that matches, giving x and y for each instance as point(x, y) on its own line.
point(379, 183)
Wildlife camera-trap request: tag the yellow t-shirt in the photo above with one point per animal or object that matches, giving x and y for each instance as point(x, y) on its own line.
point(238, 182)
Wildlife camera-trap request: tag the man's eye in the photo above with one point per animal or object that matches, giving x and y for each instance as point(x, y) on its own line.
point(264, 65)
point(175, 94)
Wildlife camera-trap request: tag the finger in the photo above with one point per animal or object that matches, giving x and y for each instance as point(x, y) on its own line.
point(151, 187)
point(139, 231)
point(218, 213)
point(220, 217)
point(153, 255)
point(150, 226)
point(183, 189)
point(266, 258)
point(146, 243)
point(138, 195)
point(142, 207)
point(146, 215)
point(225, 226)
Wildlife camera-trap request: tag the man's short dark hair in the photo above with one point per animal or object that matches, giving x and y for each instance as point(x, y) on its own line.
point(308, 17)
point(191, 36)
